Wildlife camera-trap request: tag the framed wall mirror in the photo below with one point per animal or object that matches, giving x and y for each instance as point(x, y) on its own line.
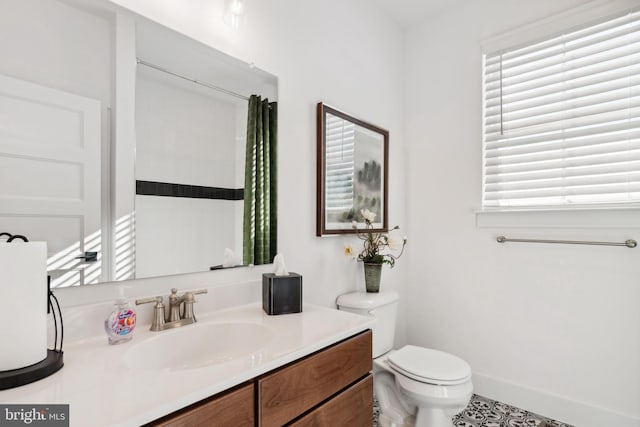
point(352, 175)
point(122, 142)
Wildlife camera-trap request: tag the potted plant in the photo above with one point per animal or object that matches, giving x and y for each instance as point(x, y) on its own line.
point(378, 249)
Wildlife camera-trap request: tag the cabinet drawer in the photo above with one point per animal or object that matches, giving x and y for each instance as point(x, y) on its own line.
point(353, 408)
point(295, 389)
point(230, 409)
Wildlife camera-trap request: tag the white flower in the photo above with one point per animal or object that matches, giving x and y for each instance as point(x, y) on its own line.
point(368, 215)
point(394, 243)
point(354, 224)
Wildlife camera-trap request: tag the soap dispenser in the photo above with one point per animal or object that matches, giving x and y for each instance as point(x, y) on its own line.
point(122, 320)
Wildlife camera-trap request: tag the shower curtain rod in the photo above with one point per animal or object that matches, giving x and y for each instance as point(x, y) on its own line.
point(198, 82)
point(628, 243)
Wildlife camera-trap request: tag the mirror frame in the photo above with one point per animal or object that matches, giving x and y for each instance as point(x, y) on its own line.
point(321, 226)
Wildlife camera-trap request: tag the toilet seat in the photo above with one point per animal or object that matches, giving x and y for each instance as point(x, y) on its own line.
point(429, 366)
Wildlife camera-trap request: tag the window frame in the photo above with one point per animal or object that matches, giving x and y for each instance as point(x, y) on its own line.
point(585, 215)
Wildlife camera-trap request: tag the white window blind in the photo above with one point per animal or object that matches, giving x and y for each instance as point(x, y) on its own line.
point(340, 163)
point(562, 119)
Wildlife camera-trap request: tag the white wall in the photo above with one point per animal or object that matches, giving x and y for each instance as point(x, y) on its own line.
point(553, 328)
point(346, 54)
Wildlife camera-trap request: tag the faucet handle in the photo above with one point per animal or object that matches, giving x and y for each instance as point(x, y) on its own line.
point(188, 297)
point(158, 312)
point(157, 300)
point(188, 303)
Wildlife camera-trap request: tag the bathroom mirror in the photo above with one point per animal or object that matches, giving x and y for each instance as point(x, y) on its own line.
point(352, 161)
point(122, 142)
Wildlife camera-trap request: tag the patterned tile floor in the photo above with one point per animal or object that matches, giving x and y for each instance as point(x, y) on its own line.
point(483, 412)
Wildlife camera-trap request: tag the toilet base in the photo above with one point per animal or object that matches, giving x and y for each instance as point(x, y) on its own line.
point(386, 421)
point(426, 417)
point(393, 412)
point(432, 417)
point(405, 402)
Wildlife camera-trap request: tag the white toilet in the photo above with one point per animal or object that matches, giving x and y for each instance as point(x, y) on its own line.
point(415, 386)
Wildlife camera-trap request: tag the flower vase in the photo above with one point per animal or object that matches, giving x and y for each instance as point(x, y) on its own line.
point(372, 273)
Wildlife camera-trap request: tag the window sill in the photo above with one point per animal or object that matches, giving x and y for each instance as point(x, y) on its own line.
point(609, 217)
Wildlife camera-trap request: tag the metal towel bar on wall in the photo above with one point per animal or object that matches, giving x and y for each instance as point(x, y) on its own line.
point(630, 243)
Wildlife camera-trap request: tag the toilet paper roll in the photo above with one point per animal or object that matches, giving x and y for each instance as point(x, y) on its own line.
point(23, 292)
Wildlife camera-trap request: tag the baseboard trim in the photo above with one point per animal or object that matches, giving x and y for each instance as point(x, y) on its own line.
point(556, 407)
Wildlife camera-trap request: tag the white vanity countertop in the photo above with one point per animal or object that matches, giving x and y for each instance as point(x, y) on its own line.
point(102, 390)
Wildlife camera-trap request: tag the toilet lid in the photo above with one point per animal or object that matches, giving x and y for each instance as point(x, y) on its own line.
point(429, 366)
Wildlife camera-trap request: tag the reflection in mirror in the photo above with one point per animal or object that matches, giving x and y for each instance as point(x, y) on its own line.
point(78, 112)
point(260, 229)
point(189, 166)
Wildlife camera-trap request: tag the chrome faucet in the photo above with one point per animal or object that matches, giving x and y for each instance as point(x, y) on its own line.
point(176, 317)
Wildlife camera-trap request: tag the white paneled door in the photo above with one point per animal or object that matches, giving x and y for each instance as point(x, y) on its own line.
point(50, 176)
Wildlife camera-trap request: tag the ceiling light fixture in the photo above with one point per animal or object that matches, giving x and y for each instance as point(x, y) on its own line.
point(233, 12)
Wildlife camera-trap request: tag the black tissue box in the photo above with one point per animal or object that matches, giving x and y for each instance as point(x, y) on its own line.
point(281, 294)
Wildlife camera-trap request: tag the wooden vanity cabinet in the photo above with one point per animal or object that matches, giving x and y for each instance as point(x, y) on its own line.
point(353, 407)
point(289, 392)
point(331, 387)
point(232, 408)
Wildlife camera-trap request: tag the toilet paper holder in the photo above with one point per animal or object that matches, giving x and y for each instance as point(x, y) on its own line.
point(53, 360)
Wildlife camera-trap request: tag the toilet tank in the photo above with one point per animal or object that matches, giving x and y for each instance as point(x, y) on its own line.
point(383, 306)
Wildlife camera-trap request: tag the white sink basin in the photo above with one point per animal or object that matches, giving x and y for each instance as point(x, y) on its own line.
point(200, 345)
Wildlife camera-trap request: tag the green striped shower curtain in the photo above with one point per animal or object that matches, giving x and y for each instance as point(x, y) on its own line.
point(260, 228)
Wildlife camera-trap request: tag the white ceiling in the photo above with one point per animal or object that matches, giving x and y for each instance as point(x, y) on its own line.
point(409, 12)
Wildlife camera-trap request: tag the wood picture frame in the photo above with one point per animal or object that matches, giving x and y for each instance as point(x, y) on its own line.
point(352, 172)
